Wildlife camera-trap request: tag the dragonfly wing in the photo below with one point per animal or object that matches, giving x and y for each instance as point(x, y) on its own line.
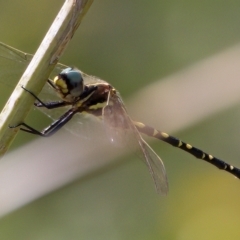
point(13, 63)
point(156, 167)
point(120, 128)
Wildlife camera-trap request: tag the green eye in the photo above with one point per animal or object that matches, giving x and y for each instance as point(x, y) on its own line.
point(73, 76)
point(74, 80)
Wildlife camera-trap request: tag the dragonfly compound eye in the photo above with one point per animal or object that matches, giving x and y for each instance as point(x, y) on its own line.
point(74, 81)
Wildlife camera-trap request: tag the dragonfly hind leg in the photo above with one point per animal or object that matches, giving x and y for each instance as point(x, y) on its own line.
point(28, 129)
point(51, 129)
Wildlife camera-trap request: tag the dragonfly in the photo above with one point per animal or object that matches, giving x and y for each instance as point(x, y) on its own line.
point(83, 94)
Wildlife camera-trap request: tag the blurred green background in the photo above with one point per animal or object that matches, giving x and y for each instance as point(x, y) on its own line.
point(130, 44)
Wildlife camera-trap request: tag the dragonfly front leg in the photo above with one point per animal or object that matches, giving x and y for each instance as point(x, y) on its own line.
point(51, 129)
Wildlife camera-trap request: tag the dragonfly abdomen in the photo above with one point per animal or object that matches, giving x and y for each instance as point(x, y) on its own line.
point(152, 132)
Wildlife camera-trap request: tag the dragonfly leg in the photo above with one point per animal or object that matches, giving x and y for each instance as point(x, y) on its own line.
point(33, 95)
point(51, 129)
point(27, 128)
point(48, 105)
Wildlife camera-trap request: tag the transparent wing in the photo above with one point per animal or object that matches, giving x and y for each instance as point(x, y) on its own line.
point(13, 62)
point(120, 128)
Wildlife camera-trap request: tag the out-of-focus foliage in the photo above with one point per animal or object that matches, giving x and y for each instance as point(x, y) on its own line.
point(130, 44)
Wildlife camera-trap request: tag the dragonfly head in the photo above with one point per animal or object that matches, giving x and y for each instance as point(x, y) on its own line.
point(69, 82)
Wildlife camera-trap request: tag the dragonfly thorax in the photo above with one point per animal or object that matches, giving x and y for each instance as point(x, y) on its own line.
point(69, 84)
